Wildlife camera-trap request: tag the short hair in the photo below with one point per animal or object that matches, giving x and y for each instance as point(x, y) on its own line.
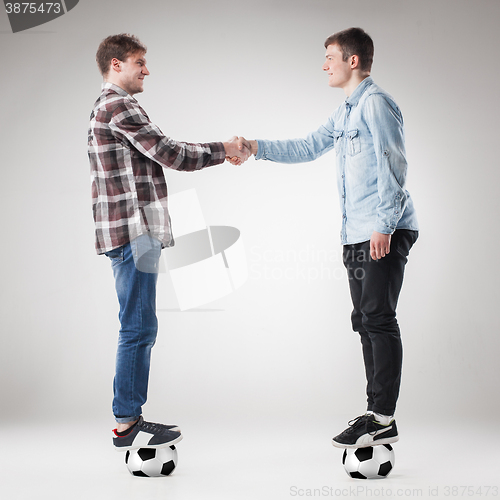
point(120, 46)
point(354, 41)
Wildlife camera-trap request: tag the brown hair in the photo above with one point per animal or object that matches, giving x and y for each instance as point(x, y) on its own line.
point(120, 46)
point(354, 41)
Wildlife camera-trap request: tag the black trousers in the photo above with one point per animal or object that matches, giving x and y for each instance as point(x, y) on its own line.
point(375, 288)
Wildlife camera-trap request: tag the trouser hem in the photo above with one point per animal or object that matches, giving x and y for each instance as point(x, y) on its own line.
point(126, 420)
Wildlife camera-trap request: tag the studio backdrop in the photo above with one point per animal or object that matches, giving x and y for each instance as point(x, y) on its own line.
point(277, 341)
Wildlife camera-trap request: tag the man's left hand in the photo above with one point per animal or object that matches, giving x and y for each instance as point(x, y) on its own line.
point(380, 245)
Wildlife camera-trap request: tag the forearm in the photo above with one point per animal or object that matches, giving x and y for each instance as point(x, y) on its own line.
point(391, 170)
point(389, 210)
point(191, 156)
point(182, 156)
point(294, 150)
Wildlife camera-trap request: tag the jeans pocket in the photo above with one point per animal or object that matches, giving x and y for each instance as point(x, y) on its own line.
point(146, 251)
point(406, 239)
point(354, 143)
point(115, 255)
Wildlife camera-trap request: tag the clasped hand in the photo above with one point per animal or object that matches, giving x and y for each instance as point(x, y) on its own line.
point(238, 150)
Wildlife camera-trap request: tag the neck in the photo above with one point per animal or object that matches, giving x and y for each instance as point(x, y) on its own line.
point(116, 82)
point(351, 85)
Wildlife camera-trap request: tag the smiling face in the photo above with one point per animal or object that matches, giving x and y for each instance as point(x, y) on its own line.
point(129, 74)
point(339, 71)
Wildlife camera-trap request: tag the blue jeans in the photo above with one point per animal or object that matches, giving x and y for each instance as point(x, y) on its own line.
point(135, 269)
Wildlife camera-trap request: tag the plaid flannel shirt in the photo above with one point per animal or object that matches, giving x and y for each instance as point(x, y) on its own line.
point(127, 154)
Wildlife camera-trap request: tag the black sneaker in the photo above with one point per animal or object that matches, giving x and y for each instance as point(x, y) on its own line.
point(147, 435)
point(366, 431)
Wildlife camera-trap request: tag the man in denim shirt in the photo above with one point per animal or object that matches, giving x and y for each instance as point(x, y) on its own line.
point(379, 224)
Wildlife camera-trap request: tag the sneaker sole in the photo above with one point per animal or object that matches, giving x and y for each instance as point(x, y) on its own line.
point(388, 440)
point(154, 446)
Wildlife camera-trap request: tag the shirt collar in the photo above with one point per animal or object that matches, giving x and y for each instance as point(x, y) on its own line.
point(118, 90)
point(354, 98)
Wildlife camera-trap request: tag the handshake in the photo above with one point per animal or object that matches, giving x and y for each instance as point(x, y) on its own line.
point(238, 150)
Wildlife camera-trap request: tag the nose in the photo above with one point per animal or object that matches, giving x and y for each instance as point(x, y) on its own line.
point(145, 70)
point(325, 67)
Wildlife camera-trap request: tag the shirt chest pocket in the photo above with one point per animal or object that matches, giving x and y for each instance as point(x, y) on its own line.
point(353, 142)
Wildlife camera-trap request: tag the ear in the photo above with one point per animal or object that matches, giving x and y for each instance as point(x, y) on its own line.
point(116, 65)
point(354, 62)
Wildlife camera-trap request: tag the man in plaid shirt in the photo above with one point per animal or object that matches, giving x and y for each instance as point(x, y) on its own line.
point(127, 155)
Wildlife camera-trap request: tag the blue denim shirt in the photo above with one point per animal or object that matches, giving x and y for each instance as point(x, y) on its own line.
point(367, 133)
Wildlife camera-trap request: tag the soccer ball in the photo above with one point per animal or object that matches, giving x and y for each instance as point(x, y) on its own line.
point(372, 462)
point(151, 462)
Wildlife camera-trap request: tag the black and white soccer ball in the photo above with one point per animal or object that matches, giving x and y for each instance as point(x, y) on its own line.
point(372, 462)
point(151, 462)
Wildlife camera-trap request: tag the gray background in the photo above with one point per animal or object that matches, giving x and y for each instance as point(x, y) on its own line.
point(279, 348)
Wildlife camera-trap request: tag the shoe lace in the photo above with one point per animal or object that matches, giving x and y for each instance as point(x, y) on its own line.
point(153, 427)
point(356, 423)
